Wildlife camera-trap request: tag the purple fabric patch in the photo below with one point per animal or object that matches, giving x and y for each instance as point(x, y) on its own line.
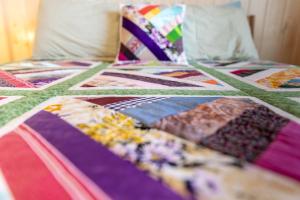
point(116, 177)
point(77, 63)
point(283, 155)
point(248, 135)
point(145, 39)
point(44, 81)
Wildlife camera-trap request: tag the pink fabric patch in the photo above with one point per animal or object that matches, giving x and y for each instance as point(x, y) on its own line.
point(283, 155)
point(122, 56)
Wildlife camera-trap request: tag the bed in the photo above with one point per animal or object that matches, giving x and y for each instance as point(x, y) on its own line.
point(93, 129)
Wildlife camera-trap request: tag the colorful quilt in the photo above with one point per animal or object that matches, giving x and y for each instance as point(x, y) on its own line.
point(153, 131)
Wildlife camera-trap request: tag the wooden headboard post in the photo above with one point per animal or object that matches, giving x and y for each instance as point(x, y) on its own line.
point(251, 20)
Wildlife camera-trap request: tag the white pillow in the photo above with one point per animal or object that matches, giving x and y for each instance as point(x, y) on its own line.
point(217, 33)
point(77, 28)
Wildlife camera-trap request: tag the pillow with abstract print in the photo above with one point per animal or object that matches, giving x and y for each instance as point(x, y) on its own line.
point(151, 33)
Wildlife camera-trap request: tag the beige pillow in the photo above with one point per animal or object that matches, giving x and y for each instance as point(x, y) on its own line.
point(77, 28)
point(217, 33)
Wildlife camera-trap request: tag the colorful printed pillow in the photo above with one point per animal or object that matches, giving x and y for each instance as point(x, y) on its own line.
point(151, 32)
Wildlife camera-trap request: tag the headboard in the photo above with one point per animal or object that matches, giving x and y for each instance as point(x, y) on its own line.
point(251, 20)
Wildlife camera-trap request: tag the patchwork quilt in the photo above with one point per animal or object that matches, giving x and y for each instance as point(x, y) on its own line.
point(210, 130)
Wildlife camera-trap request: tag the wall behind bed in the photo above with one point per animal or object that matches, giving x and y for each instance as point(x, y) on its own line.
point(276, 31)
point(17, 26)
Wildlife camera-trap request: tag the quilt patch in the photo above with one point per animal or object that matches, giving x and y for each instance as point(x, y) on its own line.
point(272, 79)
point(37, 75)
point(151, 32)
point(84, 146)
point(153, 78)
point(236, 63)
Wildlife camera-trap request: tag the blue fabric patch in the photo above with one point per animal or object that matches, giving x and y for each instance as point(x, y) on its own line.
point(150, 113)
point(296, 80)
point(166, 16)
point(234, 4)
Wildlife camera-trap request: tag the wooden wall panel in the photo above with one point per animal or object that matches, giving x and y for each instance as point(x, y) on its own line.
point(273, 29)
point(277, 27)
point(258, 9)
point(5, 51)
point(296, 53)
point(290, 34)
point(17, 22)
point(14, 12)
point(31, 16)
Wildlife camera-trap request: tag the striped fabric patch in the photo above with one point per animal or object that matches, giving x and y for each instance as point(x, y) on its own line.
point(13, 81)
point(157, 31)
point(119, 106)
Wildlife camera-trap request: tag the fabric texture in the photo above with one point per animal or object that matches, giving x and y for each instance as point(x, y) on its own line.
point(219, 32)
point(87, 147)
point(237, 143)
point(150, 32)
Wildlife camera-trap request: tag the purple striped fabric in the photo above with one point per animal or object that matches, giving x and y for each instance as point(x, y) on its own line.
point(77, 63)
point(118, 178)
point(43, 81)
point(150, 80)
point(145, 39)
point(283, 155)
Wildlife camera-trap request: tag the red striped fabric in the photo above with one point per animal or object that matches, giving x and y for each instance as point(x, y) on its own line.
point(147, 9)
point(25, 173)
point(15, 81)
